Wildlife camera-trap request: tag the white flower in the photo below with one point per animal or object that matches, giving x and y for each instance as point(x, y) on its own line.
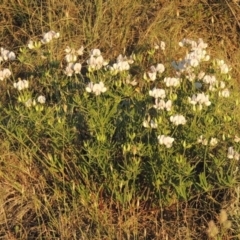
point(224, 69)
point(153, 123)
point(194, 62)
point(165, 140)
point(73, 67)
point(47, 37)
point(122, 64)
point(206, 58)
point(168, 105)
point(133, 82)
point(200, 98)
point(1, 75)
point(96, 61)
point(236, 156)
point(232, 154)
point(30, 44)
point(30, 103)
point(5, 73)
point(77, 68)
point(202, 44)
point(41, 99)
point(96, 88)
point(4, 54)
point(201, 75)
point(159, 104)
point(71, 57)
point(224, 93)
point(160, 68)
point(80, 51)
point(89, 87)
point(21, 84)
point(157, 93)
point(72, 54)
point(190, 75)
point(69, 70)
point(95, 52)
point(178, 119)
point(152, 73)
point(171, 82)
point(162, 45)
point(210, 80)
point(236, 139)
point(222, 84)
point(68, 49)
point(213, 142)
point(202, 140)
point(11, 56)
point(196, 54)
point(7, 55)
point(146, 123)
point(99, 88)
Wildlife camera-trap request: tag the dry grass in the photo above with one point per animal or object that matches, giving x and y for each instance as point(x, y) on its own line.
point(34, 206)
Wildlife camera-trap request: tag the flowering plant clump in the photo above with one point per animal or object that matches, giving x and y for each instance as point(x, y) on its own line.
point(169, 131)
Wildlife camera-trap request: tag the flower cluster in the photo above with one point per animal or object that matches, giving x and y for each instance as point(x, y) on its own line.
point(232, 154)
point(193, 58)
point(211, 80)
point(200, 99)
point(162, 45)
point(73, 68)
point(5, 73)
point(71, 58)
point(21, 84)
point(96, 88)
point(72, 54)
point(224, 69)
point(49, 36)
point(165, 140)
point(95, 61)
point(41, 99)
point(214, 84)
point(172, 81)
point(6, 55)
point(154, 70)
point(197, 53)
point(160, 104)
point(178, 120)
point(122, 64)
point(150, 123)
point(159, 95)
point(213, 141)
